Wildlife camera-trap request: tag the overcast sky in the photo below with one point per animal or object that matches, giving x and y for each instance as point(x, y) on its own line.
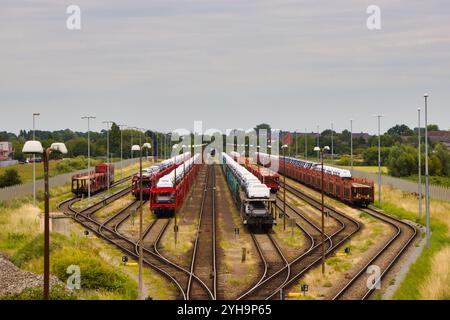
point(161, 64)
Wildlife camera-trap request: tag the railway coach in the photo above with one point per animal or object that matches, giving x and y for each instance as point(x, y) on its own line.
point(338, 183)
point(251, 196)
point(98, 178)
point(152, 174)
point(169, 192)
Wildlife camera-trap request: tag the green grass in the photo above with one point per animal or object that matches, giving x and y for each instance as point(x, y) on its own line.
point(436, 180)
point(421, 269)
point(56, 167)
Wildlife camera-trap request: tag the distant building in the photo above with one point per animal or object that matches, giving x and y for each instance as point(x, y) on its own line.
point(6, 150)
point(440, 136)
point(6, 153)
point(363, 135)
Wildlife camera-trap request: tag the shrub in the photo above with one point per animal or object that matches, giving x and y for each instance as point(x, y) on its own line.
point(56, 293)
point(10, 178)
point(95, 273)
point(35, 248)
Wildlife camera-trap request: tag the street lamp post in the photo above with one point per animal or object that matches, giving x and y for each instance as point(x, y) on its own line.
point(121, 149)
point(427, 190)
point(420, 167)
point(107, 150)
point(321, 151)
point(34, 147)
point(88, 118)
point(175, 228)
point(34, 158)
point(332, 143)
point(306, 144)
point(379, 116)
point(141, 205)
point(284, 185)
point(318, 142)
point(351, 145)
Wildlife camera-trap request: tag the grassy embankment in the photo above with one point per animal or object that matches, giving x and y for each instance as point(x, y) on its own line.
point(56, 167)
point(102, 274)
point(429, 276)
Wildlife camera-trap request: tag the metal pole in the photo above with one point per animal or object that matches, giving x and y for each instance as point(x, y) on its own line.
point(318, 142)
point(427, 190)
point(284, 189)
point(351, 145)
point(175, 208)
point(323, 218)
point(89, 159)
point(141, 240)
point(121, 152)
point(88, 118)
point(34, 159)
point(107, 150)
point(420, 168)
point(332, 144)
point(46, 154)
point(379, 161)
point(306, 144)
point(296, 144)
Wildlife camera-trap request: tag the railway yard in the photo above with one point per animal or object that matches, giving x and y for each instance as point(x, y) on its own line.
point(219, 234)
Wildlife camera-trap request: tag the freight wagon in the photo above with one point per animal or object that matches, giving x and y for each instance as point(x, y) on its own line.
point(338, 183)
point(252, 198)
point(100, 178)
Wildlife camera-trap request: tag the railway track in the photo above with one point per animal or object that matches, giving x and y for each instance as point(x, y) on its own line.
point(305, 262)
point(360, 287)
point(203, 263)
point(276, 267)
point(152, 257)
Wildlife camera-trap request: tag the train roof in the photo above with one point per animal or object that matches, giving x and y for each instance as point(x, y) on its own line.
point(253, 187)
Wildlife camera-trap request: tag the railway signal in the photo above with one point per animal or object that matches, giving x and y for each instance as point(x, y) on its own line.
point(305, 289)
point(35, 147)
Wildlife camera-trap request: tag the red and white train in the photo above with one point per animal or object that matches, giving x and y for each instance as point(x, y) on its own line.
point(168, 193)
point(151, 175)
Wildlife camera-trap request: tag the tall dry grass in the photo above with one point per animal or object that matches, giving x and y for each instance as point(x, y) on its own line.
point(437, 284)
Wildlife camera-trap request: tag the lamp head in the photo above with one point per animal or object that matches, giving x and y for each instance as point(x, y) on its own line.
point(147, 146)
point(284, 146)
point(32, 147)
point(135, 148)
point(316, 149)
point(326, 148)
point(59, 146)
point(425, 95)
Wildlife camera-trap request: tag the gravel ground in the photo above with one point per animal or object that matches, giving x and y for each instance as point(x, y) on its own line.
point(15, 280)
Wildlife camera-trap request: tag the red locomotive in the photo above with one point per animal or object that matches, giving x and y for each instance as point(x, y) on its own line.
point(338, 183)
point(100, 177)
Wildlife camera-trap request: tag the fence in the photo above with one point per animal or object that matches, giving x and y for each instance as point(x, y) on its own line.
point(22, 190)
point(437, 192)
